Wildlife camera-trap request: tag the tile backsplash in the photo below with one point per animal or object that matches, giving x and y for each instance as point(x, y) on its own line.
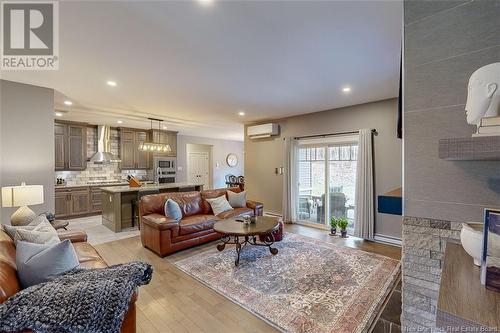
point(100, 172)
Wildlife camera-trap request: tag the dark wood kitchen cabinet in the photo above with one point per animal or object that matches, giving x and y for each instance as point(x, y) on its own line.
point(70, 144)
point(72, 201)
point(59, 138)
point(78, 201)
point(62, 204)
point(131, 157)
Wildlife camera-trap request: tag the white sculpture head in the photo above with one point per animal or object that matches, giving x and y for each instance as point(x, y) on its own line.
point(483, 94)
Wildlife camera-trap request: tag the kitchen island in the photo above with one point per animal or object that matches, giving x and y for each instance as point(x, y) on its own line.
point(117, 202)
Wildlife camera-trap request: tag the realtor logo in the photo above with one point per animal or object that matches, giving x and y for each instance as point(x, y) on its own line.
point(30, 35)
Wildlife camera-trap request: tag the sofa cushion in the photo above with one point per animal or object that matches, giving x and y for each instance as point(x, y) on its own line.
point(195, 223)
point(190, 202)
point(160, 222)
point(236, 213)
point(9, 284)
point(88, 257)
point(86, 252)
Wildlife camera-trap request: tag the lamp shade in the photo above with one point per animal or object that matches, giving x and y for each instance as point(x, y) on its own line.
point(24, 195)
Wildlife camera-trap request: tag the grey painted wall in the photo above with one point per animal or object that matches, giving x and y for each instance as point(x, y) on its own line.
point(27, 140)
point(264, 155)
point(445, 42)
point(220, 149)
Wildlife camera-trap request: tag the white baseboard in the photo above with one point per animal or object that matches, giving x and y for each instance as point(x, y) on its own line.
point(267, 213)
point(387, 239)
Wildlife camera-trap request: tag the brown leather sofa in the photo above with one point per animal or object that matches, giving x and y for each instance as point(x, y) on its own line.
point(165, 236)
point(87, 255)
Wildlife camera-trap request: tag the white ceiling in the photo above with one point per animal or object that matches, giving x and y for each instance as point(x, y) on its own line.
point(196, 66)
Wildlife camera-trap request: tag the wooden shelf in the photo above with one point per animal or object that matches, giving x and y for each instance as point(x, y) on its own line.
point(463, 300)
point(485, 148)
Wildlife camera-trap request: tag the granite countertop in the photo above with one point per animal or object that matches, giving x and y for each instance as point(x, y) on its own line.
point(126, 188)
point(124, 183)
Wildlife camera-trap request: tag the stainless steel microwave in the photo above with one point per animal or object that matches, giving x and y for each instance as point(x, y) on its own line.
point(165, 163)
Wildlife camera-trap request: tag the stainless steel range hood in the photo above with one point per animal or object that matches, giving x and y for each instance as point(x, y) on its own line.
point(104, 154)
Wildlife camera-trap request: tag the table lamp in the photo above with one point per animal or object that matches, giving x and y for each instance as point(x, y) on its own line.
point(22, 196)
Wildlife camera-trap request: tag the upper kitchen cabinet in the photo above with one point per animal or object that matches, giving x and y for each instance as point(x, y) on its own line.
point(166, 137)
point(132, 158)
point(70, 143)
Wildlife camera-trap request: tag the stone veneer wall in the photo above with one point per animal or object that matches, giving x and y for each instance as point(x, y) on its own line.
point(100, 172)
point(424, 243)
point(445, 42)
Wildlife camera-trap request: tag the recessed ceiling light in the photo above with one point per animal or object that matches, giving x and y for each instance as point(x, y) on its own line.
point(68, 102)
point(119, 121)
point(164, 127)
point(346, 89)
point(206, 3)
point(59, 114)
point(241, 113)
point(111, 83)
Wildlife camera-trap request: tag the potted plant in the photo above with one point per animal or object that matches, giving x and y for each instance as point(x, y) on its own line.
point(342, 224)
point(333, 226)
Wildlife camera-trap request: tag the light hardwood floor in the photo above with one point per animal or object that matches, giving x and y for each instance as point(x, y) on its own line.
point(175, 302)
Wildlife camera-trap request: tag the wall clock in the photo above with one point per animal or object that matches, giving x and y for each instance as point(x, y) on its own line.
point(232, 160)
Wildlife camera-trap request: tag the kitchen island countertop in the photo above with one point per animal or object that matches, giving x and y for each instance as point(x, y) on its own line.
point(126, 188)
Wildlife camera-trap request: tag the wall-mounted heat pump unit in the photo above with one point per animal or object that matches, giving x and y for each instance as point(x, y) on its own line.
point(263, 131)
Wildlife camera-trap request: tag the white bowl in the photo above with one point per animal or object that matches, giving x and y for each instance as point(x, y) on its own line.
point(471, 237)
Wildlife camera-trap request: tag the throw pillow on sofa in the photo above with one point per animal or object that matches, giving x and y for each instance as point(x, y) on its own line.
point(173, 210)
point(237, 200)
point(11, 230)
point(43, 233)
point(37, 263)
point(219, 205)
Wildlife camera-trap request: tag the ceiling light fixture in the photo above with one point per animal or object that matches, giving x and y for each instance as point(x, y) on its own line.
point(111, 83)
point(346, 89)
point(119, 121)
point(68, 102)
point(241, 113)
point(59, 114)
point(155, 146)
point(205, 3)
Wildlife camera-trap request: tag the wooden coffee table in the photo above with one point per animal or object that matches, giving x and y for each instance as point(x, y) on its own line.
point(240, 234)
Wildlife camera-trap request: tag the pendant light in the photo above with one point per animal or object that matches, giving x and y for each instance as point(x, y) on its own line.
point(155, 147)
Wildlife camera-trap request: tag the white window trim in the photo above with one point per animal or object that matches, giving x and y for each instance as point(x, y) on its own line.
point(326, 142)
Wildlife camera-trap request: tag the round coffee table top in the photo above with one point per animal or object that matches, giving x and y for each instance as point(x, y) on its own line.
point(262, 225)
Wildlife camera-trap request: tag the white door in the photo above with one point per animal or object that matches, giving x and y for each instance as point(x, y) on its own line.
point(198, 169)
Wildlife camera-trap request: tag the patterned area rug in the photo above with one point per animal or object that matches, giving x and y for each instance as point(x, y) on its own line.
point(309, 286)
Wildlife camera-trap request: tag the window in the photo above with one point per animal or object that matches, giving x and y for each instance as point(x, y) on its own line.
point(326, 182)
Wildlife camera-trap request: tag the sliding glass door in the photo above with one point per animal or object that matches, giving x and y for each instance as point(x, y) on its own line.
point(312, 180)
point(326, 182)
point(342, 181)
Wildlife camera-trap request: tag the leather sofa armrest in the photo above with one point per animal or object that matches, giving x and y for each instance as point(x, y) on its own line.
point(74, 236)
point(257, 207)
point(160, 222)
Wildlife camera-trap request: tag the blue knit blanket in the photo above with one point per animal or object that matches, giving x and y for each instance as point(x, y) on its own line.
point(81, 300)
